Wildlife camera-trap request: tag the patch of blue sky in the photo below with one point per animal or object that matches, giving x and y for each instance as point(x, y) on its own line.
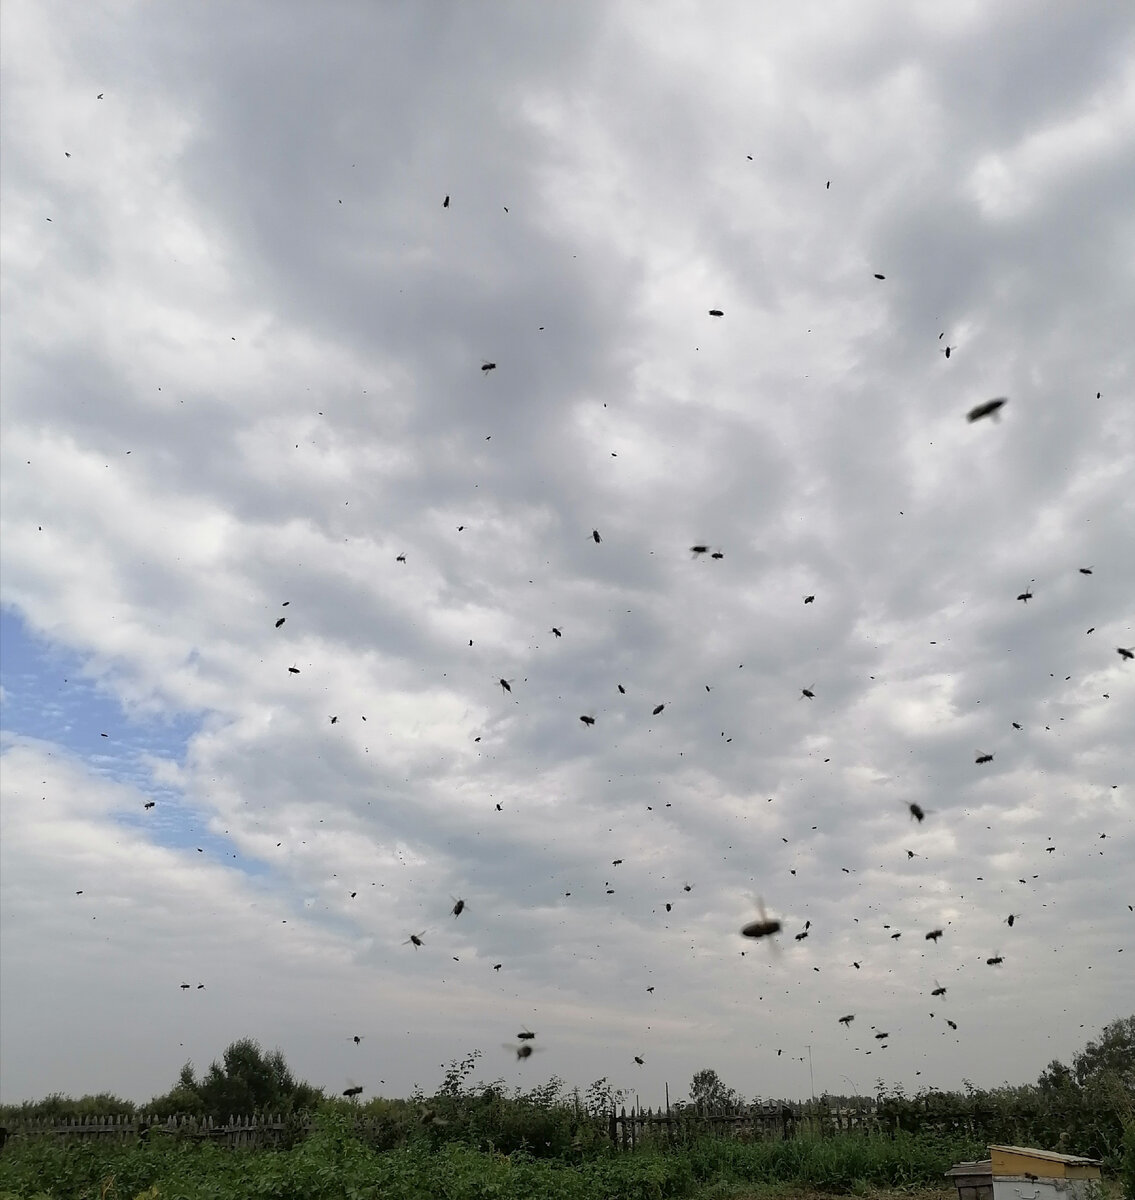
point(50, 695)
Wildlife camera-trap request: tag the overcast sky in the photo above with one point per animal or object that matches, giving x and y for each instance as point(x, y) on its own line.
point(245, 378)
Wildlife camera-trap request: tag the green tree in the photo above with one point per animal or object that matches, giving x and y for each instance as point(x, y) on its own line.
point(708, 1091)
point(1112, 1054)
point(246, 1081)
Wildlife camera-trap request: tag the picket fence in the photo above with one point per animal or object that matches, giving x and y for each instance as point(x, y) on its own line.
point(257, 1131)
point(778, 1120)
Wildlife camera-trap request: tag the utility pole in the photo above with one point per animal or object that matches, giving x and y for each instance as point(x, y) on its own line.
point(811, 1077)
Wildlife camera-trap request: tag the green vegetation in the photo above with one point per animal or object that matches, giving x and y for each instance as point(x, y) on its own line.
point(335, 1163)
point(476, 1140)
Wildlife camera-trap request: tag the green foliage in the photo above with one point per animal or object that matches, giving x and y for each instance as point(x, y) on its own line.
point(707, 1091)
point(1127, 1169)
point(58, 1107)
point(247, 1081)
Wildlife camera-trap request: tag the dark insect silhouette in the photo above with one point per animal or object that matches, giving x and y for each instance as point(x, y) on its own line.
point(878, 276)
point(917, 812)
point(764, 926)
point(995, 961)
point(595, 536)
point(687, 887)
point(1027, 594)
point(1011, 920)
point(401, 558)
point(356, 1039)
point(990, 408)
point(445, 202)
point(716, 312)
point(639, 1060)
point(1124, 653)
point(911, 854)
point(669, 906)
point(808, 692)
point(650, 989)
point(557, 632)
point(1016, 725)
point(293, 670)
point(950, 1023)
point(622, 690)
point(415, 939)
point(895, 937)
point(696, 550)
point(458, 907)
point(352, 1092)
point(587, 720)
point(488, 366)
point(934, 935)
point(809, 599)
point(497, 966)
point(847, 1020)
point(982, 757)
point(616, 862)
point(1085, 570)
point(879, 1036)
point(657, 709)
point(523, 1051)
point(334, 720)
point(801, 935)
point(505, 684)
point(526, 1035)
point(939, 990)
point(856, 965)
point(99, 96)
point(186, 986)
point(717, 554)
point(149, 804)
point(280, 621)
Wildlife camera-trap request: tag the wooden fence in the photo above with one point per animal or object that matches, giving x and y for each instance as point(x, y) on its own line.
point(257, 1131)
point(781, 1120)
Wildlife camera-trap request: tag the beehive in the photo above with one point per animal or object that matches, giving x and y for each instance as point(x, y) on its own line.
point(1021, 1173)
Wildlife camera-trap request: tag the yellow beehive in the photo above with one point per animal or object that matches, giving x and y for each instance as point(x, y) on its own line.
point(1040, 1164)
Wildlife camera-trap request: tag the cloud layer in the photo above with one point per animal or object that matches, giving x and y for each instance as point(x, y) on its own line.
point(242, 369)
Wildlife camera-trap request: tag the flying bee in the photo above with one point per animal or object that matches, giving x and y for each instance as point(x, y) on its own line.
point(764, 926)
point(696, 551)
point(557, 632)
point(990, 408)
point(879, 1036)
point(458, 906)
point(415, 939)
point(595, 536)
point(526, 1034)
point(717, 554)
point(847, 1020)
point(917, 812)
point(293, 670)
point(587, 720)
point(934, 935)
point(687, 887)
point(639, 1059)
point(506, 684)
point(807, 692)
point(657, 709)
point(401, 558)
point(523, 1051)
point(982, 757)
point(951, 1024)
point(280, 621)
point(1085, 570)
point(716, 312)
point(939, 990)
point(1027, 594)
point(1010, 920)
point(1124, 653)
point(809, 599)
point(995, 961)
point(356, 1039)
point(352, 1092)
point(488, 366)
point(149, 804)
